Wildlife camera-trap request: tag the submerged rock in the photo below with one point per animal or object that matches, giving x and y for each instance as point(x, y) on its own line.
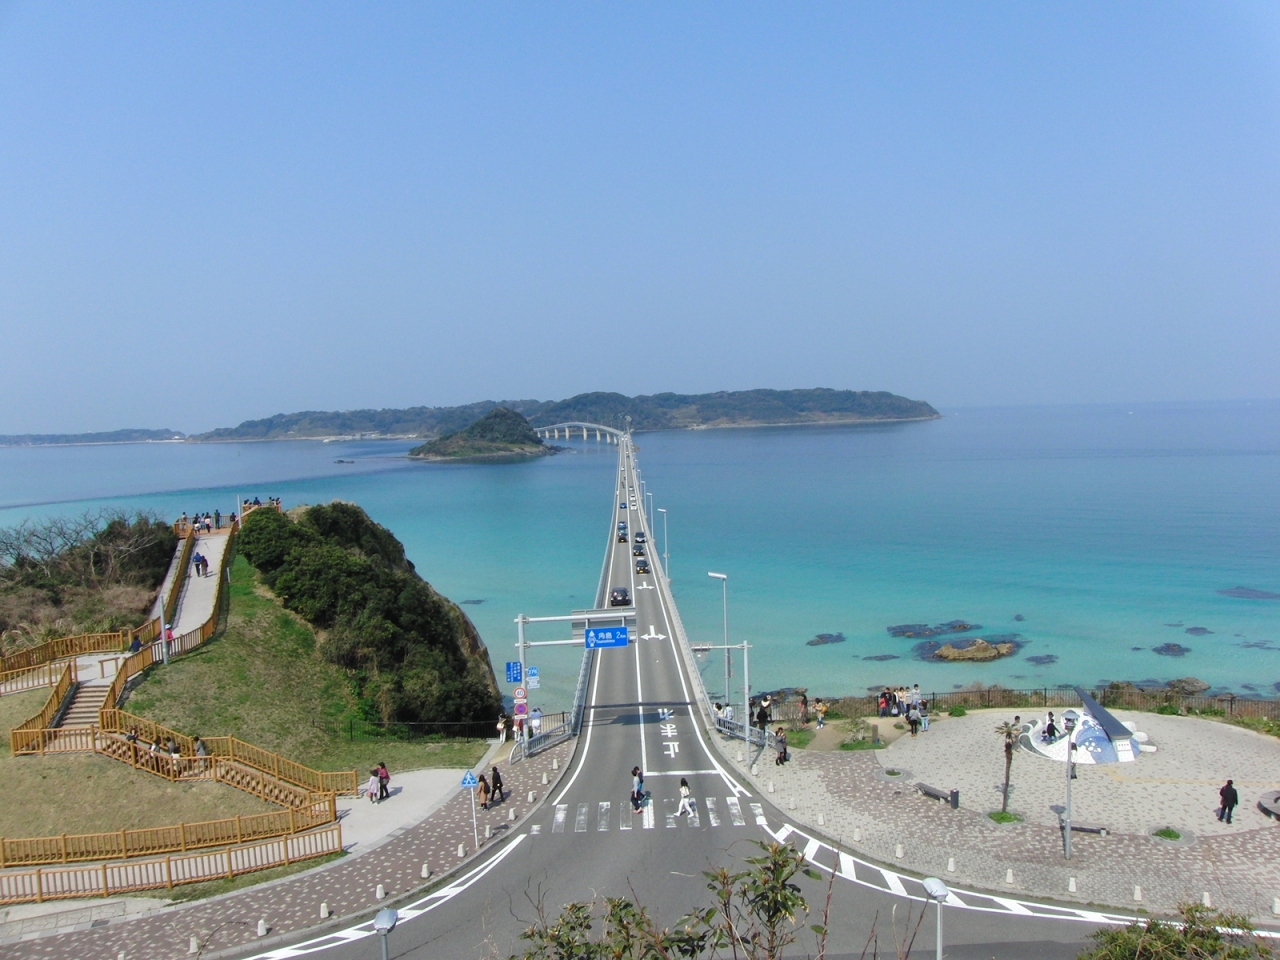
point(922, 631)
point(1018, 617)
point(1199, 631)
point(825, 638)
point(1248, 593)
point(1043, 659)
point(1188, 686)
point(1171, 650)
point(1136, 649)
point(1178, 624)
point(472, 602)
point(880, 657)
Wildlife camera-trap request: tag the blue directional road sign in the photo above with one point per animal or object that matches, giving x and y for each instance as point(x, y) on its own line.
point(597, 637)
point(513, 671)
point(469, 780)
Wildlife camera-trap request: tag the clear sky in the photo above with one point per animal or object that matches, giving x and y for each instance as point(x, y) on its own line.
point(211, 212)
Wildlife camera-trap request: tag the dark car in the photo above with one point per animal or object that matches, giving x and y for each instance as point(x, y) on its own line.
point(619, 597)
point(640, 536)
point(642, 565)
point(622, 536)
point(638, 551)
point(622, 506)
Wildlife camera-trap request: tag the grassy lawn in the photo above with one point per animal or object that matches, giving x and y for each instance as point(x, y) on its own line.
point(82, 793)
point(262, 681)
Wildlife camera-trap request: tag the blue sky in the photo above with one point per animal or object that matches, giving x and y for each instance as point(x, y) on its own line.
point(222, 211)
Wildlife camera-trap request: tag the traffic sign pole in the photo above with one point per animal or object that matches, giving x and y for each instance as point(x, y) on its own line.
point(469, 783)
point(524, 732)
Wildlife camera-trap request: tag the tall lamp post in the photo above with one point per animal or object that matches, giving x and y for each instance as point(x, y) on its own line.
point(649, 513)
point(666, 557)
point(938, 893)
point(1069, 719)
point(746, 702)
point(384, 923)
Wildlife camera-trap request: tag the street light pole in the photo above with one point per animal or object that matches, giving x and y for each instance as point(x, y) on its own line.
point(938, 893)
point(1068, 721)
point(724, 592)
point(666, 557)
point(649, 512)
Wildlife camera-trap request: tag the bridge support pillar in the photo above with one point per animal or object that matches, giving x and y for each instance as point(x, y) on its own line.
point(584, 433)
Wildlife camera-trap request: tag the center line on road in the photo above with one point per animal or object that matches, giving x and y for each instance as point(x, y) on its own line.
point(562, 811)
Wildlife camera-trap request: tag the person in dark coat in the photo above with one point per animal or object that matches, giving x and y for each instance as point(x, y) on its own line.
point(1229, 800)
point(496, 786)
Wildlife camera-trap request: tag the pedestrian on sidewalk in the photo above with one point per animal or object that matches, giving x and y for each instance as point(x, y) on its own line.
point(217, 519)
point(913, 718)
point(195, 564)
point(384, 778)
point(820, 708)
point(1229, 798)
point(371, 788)
point(496, 781)
point(637, 789)
point(686, 802)
point(804, 710)
point(482, 792)
point(924, 716)
point(502, 727)
point(780, 743)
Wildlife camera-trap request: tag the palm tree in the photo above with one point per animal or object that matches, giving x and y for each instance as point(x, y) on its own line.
point(1010, 734)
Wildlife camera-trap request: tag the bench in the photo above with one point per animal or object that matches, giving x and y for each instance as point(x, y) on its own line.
point(950, 796)
point(1269, 803)
point(1086, 828)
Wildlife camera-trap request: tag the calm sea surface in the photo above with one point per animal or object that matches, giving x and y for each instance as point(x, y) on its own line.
point(1108, 530)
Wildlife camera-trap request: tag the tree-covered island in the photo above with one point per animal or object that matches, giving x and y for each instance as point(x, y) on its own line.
point(500, 435)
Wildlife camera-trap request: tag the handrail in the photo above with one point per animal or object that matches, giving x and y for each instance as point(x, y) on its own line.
point(179, 577)
point(63, 648)
point(29, 678)
point(20, 737)
point(104, 880)
point(180, 837)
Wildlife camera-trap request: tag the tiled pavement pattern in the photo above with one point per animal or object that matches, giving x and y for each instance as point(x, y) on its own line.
point(1239, 866)
point(292, 905)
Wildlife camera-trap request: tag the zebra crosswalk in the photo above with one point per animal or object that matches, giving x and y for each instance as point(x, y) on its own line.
point(604, 816)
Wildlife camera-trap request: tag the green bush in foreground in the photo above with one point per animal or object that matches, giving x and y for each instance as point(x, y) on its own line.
point(1199, 934)
point(957, 711)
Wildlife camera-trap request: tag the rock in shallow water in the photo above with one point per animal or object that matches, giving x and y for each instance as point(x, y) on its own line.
point(825, 638)
point(1188, 686)
point(883, 656)
point(1171, 650)
point(1043, 659)
point(1249, 593)
point(1199, 631)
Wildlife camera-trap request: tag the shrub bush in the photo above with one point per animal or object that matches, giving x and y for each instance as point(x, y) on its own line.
point(957, 711)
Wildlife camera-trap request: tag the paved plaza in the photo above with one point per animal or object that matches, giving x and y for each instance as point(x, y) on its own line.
point(875, 814)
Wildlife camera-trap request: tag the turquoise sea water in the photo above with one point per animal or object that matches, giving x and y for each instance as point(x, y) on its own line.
point(1099, 525)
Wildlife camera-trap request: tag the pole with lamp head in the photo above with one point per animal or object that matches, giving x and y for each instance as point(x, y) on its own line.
point(1069, 721)
point(384, 923)
point(666, 557)
point(724, 592)
point(938, 893)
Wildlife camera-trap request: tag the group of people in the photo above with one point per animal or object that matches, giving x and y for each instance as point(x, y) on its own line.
point(905, 703)
point(256, 502)
point(200, 564)
point(206, 523)
point(489, 791)
point(515, 725)
point(169, 748)
point(376, 787)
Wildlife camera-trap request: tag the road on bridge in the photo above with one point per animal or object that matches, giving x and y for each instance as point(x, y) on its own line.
point(586, 842)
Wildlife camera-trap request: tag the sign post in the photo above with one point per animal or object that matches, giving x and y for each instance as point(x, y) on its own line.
point(469, 782)
point(514, 671)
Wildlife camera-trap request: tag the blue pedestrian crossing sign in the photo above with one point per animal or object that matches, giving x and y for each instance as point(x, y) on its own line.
point(597, 637)
point(469, 780)
point(514, 672)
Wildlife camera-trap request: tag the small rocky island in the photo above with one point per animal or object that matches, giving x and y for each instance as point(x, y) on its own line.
point(977, 649)
point(823, 639)
point(500, 436)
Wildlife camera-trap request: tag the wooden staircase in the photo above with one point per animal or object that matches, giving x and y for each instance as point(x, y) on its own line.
point(85, 706)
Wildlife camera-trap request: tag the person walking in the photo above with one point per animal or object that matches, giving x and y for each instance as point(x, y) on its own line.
point(384, 778)
point(482, 792)
point(637, 789)
point(371, 787)
point(804, 710)
point(924, 716)
point(1229, 798)
point(820, 708)
point(496, 785)
point(780, 744)
point(502, 727)
point(686, 801)
point(913, 718)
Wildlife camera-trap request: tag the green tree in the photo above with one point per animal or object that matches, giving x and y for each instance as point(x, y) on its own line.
point(1199, 934)
point(1010, 734)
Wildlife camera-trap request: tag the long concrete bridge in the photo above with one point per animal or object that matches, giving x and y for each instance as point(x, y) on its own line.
point(603, 434)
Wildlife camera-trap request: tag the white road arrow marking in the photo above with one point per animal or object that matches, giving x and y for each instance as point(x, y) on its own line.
point(652, 634)
point(646, 586)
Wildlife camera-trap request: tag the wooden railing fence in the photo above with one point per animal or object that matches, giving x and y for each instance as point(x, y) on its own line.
point(107, 879)
point(27, 734)
point(30, 678)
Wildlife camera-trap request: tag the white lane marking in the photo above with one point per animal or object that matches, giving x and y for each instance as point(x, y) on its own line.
point(411, 912)
point(735, 812)
point(580, 819)
point(644, 756)
point(535, 829)
point(670, 815)
point(811, 851)
point(1013, 906)
point(648, 814)
point(681, 773)
point(893, 882)
point(562, 811)
point(648, 586)
point(847, 868)
point(624, 816)
point(602, 815)
point(652, 634)
point(591, 727)
point(694, 820)
point(758, 810)
point(713, 815)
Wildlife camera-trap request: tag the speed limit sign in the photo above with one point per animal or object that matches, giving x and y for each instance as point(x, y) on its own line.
point(520, 694)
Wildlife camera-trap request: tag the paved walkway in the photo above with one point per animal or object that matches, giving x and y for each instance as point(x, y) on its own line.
point(195, 602)
point(292, 905)
point(872, 814)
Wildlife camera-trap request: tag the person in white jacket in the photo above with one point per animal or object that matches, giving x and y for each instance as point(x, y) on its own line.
point(686, 801)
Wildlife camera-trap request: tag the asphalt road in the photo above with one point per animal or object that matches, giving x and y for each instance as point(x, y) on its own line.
point(586, 842)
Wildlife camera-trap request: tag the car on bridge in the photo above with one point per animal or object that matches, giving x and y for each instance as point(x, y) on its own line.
point(642, 565)
point(620, 597)
point(622, 536)
point(638, 551)
point(622, 506)
point(640, 536)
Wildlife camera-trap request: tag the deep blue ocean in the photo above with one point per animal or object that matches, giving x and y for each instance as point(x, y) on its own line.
point(1095, 534)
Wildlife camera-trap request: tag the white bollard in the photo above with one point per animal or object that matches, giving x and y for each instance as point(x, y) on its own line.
point(822, 820)
point(741, 757)
point(380, 893)
point(951, 864)
point(1008, 875)
point(193, 946)
point(511, 814)
point(488, 831)
point(771, 786)
point(857, 834)
point(324, 911)
point(426, 870)
point(1137, 894)
point(544, 778)
point(262, 928)
point(1275, 906)
point(555, 763)
point(1204, 898)
point(791, 803)
point(899, 851)
point(1071, 884)
point(462, 850)
point(755, 770)
point(531, 796)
